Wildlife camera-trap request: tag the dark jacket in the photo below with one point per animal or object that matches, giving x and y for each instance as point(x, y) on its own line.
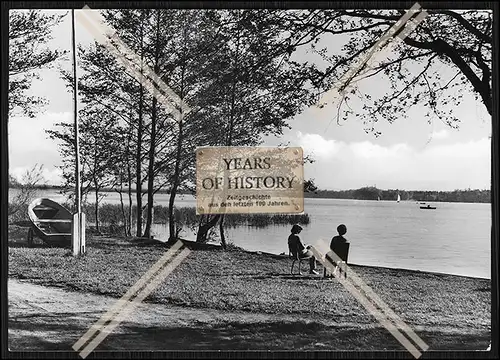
point(339, 239)
point(336, 240)
point(295, 243)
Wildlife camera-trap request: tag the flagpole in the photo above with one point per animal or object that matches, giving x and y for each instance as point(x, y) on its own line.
point(78, 228)
point(75, 115)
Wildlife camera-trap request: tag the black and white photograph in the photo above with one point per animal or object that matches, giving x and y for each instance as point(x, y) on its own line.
point(230, 178)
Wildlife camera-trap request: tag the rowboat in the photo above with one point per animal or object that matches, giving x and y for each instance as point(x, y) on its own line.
point(428, 207)
point(51, 222)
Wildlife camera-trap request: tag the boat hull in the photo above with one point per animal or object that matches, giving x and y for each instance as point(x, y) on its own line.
point(51, 222)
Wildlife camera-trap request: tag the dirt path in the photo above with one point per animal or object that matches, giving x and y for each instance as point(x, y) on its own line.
point(50, 318)
point(45, 318)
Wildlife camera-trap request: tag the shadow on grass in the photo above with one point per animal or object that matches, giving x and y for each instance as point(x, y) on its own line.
point(295, 336)
point(50, 332)
point(18, 237)
point(289, 277)
point(277, 276)
point(19, 244)
point(22, 242)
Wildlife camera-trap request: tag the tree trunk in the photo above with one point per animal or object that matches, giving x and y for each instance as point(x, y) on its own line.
point(152, 145)
point(176, 179)
point(96, 209)
point(138, 180)
point(138, 164)
point(173, 191)
point(221, 230)
point(129, 190)
point(203, 230)
point(151, 168)
point(122, 208)
point(128, 215)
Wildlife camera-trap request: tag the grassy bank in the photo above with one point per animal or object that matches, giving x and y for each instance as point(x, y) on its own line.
point(259, 283)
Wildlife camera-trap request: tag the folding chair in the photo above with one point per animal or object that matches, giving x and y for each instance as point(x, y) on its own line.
point(342, 251)
point(293, 252)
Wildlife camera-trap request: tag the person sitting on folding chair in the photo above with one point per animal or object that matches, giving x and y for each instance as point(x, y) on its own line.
point(299, 251)
point(340, 247)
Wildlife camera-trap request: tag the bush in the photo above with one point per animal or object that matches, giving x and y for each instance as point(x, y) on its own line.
point(27, 191)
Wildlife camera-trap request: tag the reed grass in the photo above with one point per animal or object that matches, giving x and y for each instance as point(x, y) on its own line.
point(111, 215)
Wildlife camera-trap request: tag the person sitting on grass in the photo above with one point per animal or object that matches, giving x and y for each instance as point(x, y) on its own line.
point(303, 252)
point(336, 241)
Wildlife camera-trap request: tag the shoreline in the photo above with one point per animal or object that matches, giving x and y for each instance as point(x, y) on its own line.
point(19, 238)
point(306, 196)
point(280, 256)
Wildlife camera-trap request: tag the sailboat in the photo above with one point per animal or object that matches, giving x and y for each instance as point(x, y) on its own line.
point(399, 198)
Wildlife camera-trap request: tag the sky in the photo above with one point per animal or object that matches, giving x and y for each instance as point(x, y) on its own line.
point(410, 154)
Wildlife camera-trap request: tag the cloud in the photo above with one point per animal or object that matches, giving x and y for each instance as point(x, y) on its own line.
point(50, 176)
point(29, 143)
point(457, 151)
point(369, 150)
point(318, 146)
point(442, 134)
point(341, 165)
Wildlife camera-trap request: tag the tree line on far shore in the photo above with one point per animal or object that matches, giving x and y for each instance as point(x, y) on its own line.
point(372, 193)
point(364, 193)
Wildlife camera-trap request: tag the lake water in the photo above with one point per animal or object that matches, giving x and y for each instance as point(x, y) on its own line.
point(455, 238)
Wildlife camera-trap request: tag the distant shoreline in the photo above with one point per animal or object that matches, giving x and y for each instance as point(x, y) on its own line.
point(369, 193)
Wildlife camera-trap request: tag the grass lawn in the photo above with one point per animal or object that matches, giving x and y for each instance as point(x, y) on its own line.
point(446, 311)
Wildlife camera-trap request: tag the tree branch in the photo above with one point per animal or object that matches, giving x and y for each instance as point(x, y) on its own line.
point(442, 47)
point(368, 15)
point(397, 94)
point(345, 31)
point(466, 24)
point(397, 61)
